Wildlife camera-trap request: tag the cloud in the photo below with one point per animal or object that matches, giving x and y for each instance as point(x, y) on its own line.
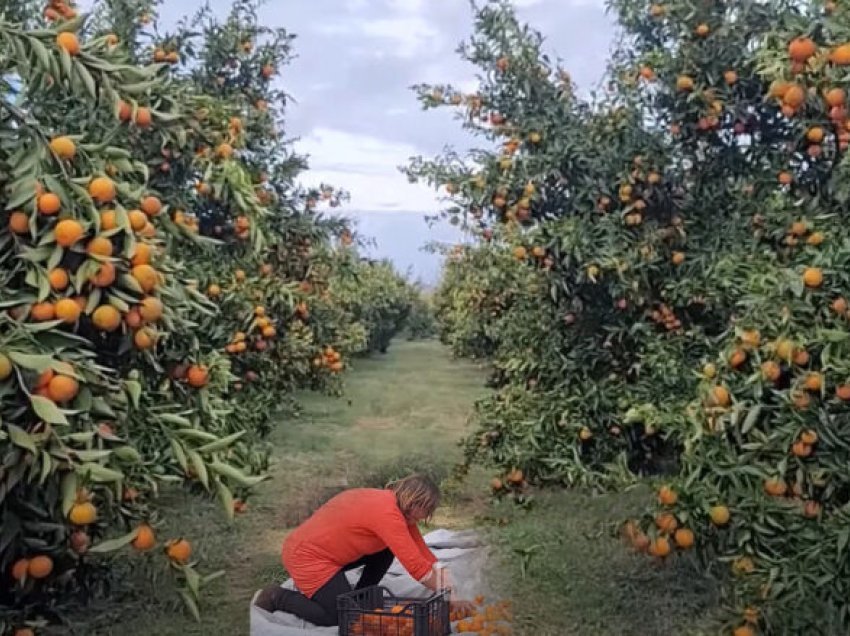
point(402, 237)
point(366, 167)
point(406, 6)
point(321, 86)
point(402, 36)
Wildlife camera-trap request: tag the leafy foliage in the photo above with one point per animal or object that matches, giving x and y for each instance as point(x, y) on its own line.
point(661, 283)
point(164, 285)
point(421, 323)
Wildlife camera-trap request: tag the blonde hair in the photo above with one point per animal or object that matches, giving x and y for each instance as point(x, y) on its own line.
point(415, 491)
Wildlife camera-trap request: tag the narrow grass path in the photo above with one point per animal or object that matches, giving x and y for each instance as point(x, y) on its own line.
point(560, 561)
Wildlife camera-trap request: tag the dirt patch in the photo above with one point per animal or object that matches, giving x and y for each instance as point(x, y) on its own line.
point(376, 423)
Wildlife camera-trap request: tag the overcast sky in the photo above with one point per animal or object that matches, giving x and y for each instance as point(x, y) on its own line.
point(356, 117)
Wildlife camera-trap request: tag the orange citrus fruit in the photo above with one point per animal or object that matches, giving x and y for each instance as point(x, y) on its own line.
point(67, 310)
point(68, 232)
point(63, 147)
point(49, 204)
point(102, 189)
point(106, 318)
point(68, 41)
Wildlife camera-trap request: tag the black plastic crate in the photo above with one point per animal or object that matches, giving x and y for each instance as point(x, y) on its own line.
point(374, 611)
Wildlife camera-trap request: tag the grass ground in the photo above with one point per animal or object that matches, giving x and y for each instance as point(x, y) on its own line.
point(559, 562)
point(569, 574)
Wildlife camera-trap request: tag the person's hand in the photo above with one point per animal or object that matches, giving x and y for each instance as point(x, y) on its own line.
point(448, 580)
point(438, 580)
point(431, 581)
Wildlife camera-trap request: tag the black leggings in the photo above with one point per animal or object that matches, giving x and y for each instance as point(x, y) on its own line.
point(321, 609)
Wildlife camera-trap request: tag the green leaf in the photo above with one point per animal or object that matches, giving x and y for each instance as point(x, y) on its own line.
point(69, 491)
point(193, 580)
point(65, 63)
point(128, 282)
point(134, 390)
point(226, 470)
point(751, 419)
point(43, 286)
point(191, 605)
point(41, 53)
point(22, 196)
point(209, 578)
point(843, 540)
point(222, 443)
point(99, 473)
point(47, 410)
point(101, 407)
point(94, 298)
point(178, 453)
point(55, 258)
point(138, 88)
point(200, 467)
point(33, 362)
point(87, 80)
point(21, 438)
point(128, 454)
point(119, 304)
point(91, 455)
point(114, 544)
point(226, 498)
point(194, 433)
point(46, 467)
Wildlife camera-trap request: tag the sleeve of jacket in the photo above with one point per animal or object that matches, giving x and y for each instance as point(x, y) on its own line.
point(392, 528)
point(423, 547)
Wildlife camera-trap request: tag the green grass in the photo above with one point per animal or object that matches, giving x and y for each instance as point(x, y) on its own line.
point(558, 561)
point(568, 573)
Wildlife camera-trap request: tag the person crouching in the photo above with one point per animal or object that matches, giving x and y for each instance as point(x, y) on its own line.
point(366, 527)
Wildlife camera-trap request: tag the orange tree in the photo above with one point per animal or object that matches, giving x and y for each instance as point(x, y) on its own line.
point(153, 245)
point(262, 233)
point(727, 260)
point(755, 98)
point(421, 324)
point(594, 364)
point(477, 285)
point(374, 295)
point(89, 293)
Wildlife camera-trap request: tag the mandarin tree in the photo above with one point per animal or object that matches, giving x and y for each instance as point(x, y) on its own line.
point(585, 196)
point(762, 135)
point(141, 233)
point(78, 411)
point(716, 165)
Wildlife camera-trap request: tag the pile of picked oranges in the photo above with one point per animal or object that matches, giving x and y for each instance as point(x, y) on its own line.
point(483, 619)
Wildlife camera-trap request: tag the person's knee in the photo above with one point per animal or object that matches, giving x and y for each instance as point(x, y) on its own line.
point(326, 620)
point(314, 613)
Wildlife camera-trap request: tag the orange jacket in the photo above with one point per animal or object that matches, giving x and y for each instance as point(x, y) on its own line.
point(351, 525)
